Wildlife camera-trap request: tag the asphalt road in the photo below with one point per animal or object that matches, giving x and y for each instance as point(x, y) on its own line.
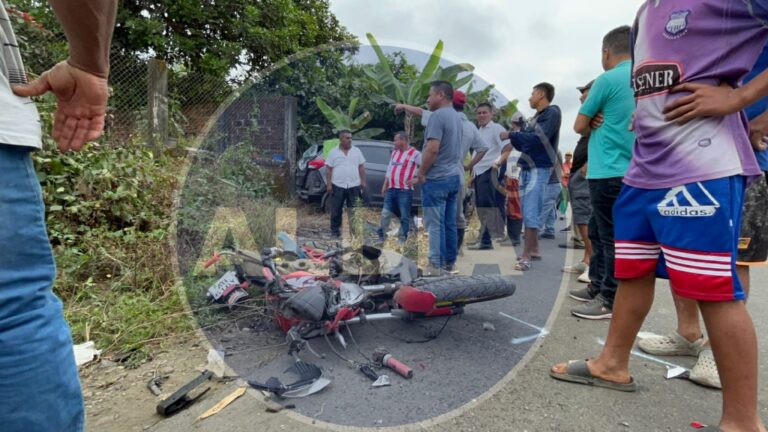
point(466, 384)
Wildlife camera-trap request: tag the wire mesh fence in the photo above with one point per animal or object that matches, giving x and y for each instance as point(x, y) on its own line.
point(188, 99)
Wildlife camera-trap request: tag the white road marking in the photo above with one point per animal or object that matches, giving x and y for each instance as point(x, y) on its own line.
point(524, 339)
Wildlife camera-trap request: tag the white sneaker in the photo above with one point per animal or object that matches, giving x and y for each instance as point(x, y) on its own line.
point(705, 370)
point(578, 268)
point(584, 277)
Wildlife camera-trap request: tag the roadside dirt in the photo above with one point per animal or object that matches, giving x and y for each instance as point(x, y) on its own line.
point(117, 398)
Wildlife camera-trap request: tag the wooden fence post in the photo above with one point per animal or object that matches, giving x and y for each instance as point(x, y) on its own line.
point(157, 114)
point(290, 135)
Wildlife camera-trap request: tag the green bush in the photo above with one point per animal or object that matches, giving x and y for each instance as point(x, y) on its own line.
point(108, 217)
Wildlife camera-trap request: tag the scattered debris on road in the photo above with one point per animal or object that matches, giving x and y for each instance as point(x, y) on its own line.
point(156, 383)
point(222, 404)
point(180, 399)
point(85, 353)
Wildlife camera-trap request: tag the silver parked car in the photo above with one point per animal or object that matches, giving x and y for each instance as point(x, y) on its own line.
point(310, 172)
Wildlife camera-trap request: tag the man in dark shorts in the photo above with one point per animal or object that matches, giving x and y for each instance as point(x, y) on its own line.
point(683, 192)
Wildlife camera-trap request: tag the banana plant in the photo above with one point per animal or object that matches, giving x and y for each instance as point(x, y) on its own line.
point(340, 119)
point(392, 90)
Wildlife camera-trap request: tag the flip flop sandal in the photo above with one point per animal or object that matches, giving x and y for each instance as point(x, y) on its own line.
point(711, 429)
point(523, 265)
point(578, 372)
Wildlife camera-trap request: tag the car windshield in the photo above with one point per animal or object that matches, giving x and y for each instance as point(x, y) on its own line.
point(376, 155)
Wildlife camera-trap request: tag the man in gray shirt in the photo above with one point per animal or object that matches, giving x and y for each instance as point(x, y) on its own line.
point(439, 173)
point(470, 141)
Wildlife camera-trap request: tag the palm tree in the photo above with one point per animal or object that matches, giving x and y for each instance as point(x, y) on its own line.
point(414, 92)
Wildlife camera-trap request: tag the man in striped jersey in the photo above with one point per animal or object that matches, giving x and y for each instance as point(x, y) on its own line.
point(398, 193)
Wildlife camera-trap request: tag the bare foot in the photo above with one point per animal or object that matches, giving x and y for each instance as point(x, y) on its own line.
point(621, 377)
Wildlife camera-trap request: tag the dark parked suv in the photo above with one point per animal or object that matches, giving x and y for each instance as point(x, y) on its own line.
point(310, 172)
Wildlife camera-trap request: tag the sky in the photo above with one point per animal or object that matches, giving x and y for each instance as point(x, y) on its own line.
point(513, 44)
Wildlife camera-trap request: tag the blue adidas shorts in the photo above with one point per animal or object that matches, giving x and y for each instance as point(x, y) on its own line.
point(688, 234)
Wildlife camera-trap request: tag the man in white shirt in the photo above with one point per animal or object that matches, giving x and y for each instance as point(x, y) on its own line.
point(345, 180)
point(490, 202)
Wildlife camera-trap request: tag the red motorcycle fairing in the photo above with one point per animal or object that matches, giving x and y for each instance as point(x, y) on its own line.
point(415, 300)
point(344, 314)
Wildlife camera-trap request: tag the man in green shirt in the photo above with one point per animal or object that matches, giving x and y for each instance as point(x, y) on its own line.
point(610, 150)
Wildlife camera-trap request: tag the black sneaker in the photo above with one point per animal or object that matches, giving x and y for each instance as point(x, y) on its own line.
point(479, 246)
point(547, 236)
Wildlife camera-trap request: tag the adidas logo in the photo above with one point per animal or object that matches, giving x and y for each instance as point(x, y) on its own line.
point(679, 202)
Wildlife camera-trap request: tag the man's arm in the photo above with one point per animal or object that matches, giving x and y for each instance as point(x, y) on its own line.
point(80, 83)
point(361, 172)
point(590, 116)
point(410, 109)
point(329, 179)
point(88, 25)
point(428, 156)
point(527, 142)
point(475, 159)
point(480, 148)
point(714, 101)
point(758, 132)
point(585, 124)
point(385, 186)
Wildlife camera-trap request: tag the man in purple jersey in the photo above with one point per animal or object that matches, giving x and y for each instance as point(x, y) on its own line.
point(684, 189)
point(688, 339)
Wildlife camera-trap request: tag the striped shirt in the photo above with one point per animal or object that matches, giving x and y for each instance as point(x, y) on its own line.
point(402, 168)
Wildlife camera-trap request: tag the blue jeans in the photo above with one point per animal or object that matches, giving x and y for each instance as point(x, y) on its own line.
point(549, 209)
point(396, 200)
point(533, 182)
point(439, 202)
point(39, 386)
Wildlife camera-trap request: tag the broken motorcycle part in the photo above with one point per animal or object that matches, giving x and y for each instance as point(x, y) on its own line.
point(154, 385)
point(228, 290)
point(311, 381)
point(382, 357)
point(181, 399)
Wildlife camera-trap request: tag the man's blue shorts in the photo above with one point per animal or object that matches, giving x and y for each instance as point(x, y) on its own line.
point(688, 234)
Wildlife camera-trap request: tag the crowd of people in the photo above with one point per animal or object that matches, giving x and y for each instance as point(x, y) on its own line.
point(517, 176)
